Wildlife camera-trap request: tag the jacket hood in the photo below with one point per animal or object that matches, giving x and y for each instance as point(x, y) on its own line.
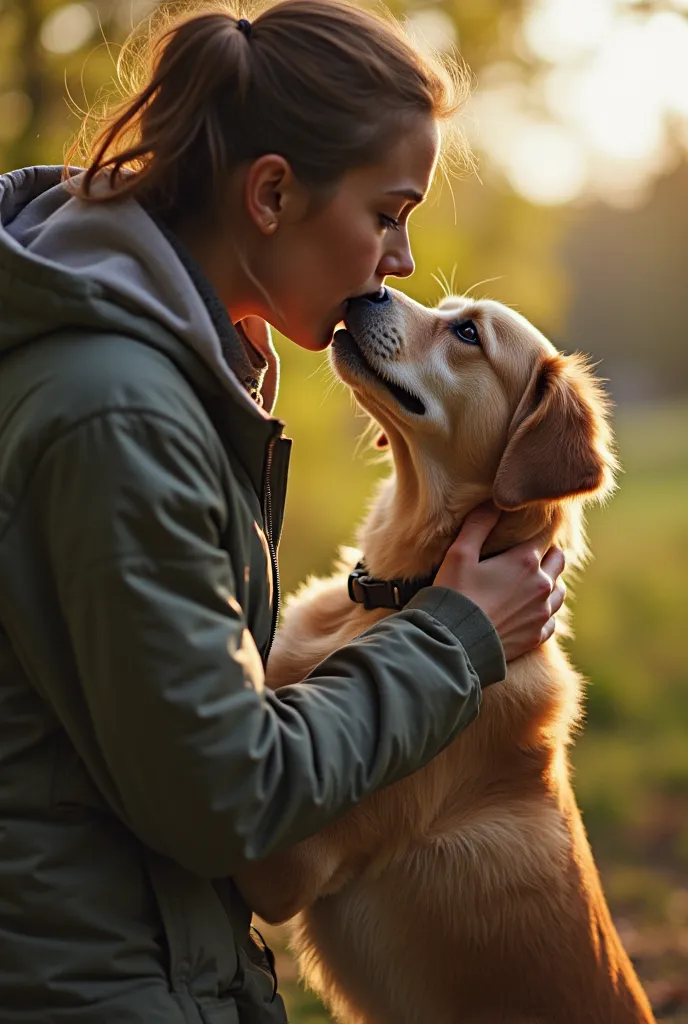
point(65, 262)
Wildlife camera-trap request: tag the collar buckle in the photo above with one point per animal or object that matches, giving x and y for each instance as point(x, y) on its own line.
point(374, 593)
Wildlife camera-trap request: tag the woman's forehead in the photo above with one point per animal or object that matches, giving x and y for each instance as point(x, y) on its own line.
point(406, 170)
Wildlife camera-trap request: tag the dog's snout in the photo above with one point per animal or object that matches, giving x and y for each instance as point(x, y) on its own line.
point(374, 320)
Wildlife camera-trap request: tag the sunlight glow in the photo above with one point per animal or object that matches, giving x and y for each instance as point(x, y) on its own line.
point(68, 28)
point(547, 165)
point(668, 33)
point(432, 30)
point(616, 88)
point(559, 30)
point(615, 102)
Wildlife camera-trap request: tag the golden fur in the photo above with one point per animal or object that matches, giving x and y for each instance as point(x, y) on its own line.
point(466, 893)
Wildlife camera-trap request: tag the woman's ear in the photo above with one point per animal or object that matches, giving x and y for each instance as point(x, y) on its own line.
point(559, 440)
point(273, 194)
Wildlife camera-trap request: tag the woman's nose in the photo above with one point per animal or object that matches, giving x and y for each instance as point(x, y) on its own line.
point(397, 260)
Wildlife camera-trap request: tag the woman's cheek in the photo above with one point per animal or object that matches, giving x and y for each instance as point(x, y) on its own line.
point(364, 256)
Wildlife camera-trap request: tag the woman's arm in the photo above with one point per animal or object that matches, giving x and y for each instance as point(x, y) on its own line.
point(167, 707)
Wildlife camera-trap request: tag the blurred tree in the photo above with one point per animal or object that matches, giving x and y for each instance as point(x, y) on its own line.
point(629, 304)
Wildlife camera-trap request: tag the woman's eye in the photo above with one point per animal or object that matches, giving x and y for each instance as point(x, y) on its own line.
point(389, 223)
point(467, 331)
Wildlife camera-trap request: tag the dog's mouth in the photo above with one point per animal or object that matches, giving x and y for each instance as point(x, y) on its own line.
point(347, 349)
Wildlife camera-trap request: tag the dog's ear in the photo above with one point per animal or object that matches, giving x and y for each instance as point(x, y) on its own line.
point(558, 443)
point(381, 442)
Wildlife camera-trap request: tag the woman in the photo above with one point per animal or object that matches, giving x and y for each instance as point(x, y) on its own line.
point(265, 172)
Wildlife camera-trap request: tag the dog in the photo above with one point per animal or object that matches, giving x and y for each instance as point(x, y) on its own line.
point(466, 893)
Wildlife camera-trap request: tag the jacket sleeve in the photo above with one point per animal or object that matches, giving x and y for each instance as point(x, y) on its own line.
point(205, 766)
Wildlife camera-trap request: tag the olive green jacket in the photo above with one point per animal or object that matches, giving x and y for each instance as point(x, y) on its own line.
point(141, 762)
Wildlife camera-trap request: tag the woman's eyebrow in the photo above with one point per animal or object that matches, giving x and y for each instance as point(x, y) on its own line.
point(407, 193)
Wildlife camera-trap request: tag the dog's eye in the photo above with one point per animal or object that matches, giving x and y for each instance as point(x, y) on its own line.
point(467, 331)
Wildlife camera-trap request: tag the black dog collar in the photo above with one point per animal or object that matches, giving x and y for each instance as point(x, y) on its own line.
point(375, 593)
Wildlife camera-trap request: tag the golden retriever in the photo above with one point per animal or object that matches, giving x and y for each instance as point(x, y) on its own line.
point(466, 893)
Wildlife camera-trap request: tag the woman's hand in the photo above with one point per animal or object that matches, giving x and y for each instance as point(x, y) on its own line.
point(517, 590)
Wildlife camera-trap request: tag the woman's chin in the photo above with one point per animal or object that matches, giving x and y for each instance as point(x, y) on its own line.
point(314, 337)
point(316, 342)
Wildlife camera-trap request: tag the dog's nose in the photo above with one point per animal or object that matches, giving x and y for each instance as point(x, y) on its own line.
point(379, 298)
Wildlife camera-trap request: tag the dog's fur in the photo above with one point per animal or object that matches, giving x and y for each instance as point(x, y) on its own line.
point(467, 893)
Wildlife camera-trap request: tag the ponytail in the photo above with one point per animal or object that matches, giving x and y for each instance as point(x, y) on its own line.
point(320, 82)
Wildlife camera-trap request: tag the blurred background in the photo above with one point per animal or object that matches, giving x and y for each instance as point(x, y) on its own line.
point(578, 216)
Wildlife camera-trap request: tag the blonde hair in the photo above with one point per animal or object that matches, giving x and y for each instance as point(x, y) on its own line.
point(324, 83)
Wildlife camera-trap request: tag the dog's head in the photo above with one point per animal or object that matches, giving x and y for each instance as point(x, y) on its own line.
point(473, 395)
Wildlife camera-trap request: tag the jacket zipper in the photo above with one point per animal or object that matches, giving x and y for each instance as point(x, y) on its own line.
point(267, 512)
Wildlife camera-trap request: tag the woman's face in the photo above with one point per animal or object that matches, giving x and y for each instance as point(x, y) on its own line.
point(312, 263)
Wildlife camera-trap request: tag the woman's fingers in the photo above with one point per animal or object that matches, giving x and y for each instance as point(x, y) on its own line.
point(518, 589)
point(476, 528)
point(547, 631)
point(553, 563)
point(557, 598)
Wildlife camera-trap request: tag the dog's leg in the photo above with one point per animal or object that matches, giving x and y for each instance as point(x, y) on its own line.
point(280, 885)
